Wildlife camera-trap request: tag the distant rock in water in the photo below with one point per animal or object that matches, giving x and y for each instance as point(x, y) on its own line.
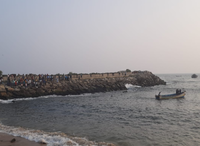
point(194, 76)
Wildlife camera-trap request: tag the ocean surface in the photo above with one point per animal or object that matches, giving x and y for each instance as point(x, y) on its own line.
point(132, 118)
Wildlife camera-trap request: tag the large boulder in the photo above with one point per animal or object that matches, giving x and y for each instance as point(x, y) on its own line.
point(9, 89)
point(2, 88)
point(3, 95)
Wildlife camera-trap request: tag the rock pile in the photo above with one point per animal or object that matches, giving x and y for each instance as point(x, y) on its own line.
point(73, 87)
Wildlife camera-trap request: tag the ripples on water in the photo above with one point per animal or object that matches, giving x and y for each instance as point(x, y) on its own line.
point(126, 119)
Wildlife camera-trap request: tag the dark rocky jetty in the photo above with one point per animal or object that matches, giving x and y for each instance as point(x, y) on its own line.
point(77, 85)
point(194, 76)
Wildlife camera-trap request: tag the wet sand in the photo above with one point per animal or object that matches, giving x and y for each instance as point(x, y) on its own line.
point(5, 140)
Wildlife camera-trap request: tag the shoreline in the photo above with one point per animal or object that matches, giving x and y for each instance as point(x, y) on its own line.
point(5, 140)
point(19, 136)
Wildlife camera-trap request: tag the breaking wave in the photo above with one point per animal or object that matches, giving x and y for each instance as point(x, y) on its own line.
point(130, 86)
point(50, 138)
point(34, 98)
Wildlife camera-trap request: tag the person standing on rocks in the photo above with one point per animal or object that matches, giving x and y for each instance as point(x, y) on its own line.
point(8, 81)
point(65, 77)
point(36, 84)
point(1, 80)
point(29, 82)
point(16, 83)
point(25, 84)
point(21, 82)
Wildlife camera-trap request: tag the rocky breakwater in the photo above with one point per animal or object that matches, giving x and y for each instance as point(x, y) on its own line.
point(75, 87)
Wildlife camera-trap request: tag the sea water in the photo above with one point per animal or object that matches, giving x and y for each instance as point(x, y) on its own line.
point(123, 118)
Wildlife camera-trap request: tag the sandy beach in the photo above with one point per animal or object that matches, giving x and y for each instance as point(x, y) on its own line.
point(5, 140)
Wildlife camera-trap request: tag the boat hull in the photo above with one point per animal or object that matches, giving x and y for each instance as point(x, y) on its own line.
point(170, 96)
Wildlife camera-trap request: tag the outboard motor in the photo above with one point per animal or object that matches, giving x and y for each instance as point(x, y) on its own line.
point(157, 97)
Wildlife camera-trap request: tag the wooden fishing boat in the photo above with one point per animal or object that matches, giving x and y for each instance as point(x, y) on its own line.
point(170, 96)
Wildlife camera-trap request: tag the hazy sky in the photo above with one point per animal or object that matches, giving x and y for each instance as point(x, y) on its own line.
point(84, 36)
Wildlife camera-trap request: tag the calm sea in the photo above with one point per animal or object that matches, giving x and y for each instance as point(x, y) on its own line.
point(123, 118)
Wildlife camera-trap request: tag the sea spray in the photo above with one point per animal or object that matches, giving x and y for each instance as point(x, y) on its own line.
point(130, 86)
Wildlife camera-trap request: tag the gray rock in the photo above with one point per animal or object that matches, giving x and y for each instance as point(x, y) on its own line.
point(82, 86)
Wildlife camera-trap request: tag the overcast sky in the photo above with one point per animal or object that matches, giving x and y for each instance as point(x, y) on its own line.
point(84, 36)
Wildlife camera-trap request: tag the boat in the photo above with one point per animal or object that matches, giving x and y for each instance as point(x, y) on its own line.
point(171, 96)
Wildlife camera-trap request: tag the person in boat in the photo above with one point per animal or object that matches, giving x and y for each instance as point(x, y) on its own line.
point(177, 91)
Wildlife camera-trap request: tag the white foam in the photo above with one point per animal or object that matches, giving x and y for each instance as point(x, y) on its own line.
point(130, 86)
point(168, 83)
point(34, 98)
point(50, 138)
point(20, 99)
point(5, 101)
